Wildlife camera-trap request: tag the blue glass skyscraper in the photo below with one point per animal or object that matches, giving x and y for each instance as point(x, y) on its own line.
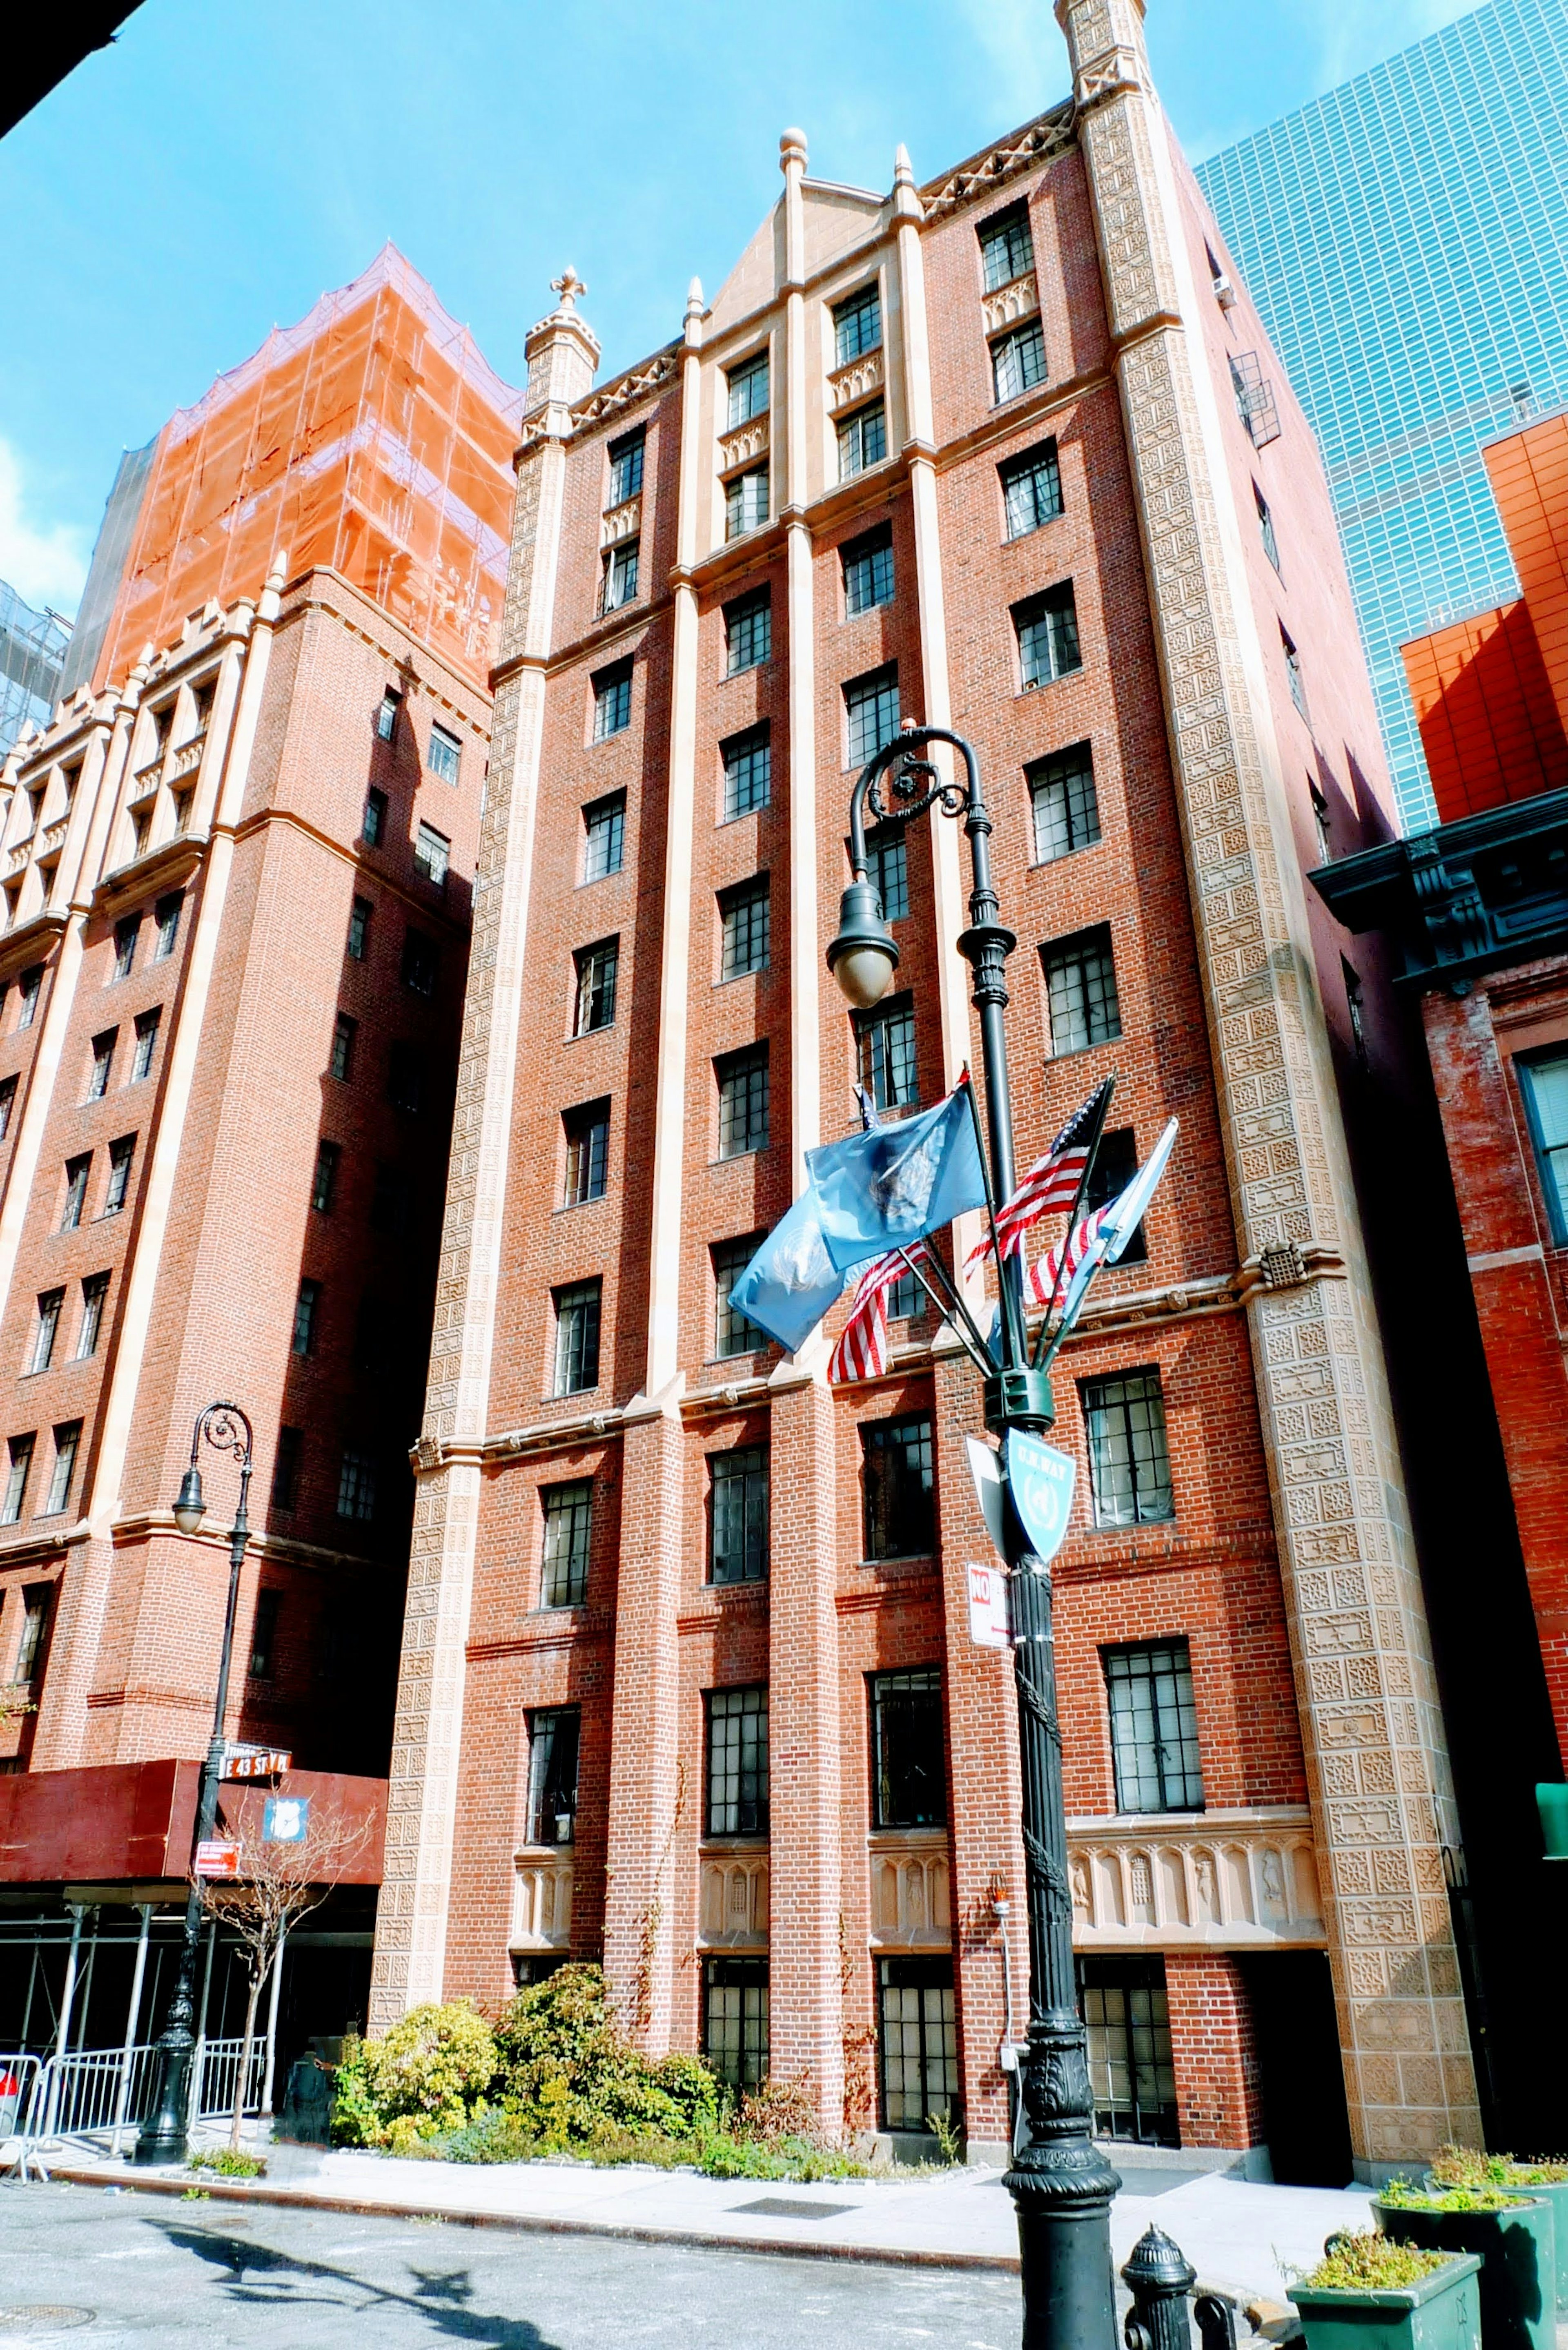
point(1406, 238)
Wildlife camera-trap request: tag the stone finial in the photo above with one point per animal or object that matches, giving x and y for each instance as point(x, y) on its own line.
point(562, 350)
point(278, 572)
point(907, 202)
point(903, 170)
point(792, 150)
point(569, 286)
point(694, 305)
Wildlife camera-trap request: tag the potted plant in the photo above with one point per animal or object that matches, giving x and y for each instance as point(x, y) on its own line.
point(1547, 2177)
point(1367, 2293)
point(1511, 2234)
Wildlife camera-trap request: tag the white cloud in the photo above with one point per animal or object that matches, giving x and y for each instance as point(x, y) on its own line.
point(45, 566)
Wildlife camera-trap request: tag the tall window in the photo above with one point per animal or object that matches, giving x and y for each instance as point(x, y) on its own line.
point(862, 439)
point(419, 963)
point(7, 1104)
point(735, 2019)
point(120, 1153)
point(46, 1329)
point(871, 707)
point(887, 869)
point(386, 715)
point(620, 568)
point(1006, 248)
point(373, 825)
point(76, 1173)
point(743, 1101)
point(263, 1632)
point(95, 1289)
point(1266, 526)
point(748, 389)
point(28, 991)
point(1116, 1164)
point(918, 2041)
point(1066, 808)
point(856, 325)
point(899, 1479)
point(1356, 1006)
point(125, 937)
point(445, 757)
point(568, 1520)
point(68, 1443)
point(1320, 822)
point(306, 1307)
point(102, 1064)
point(1130, 1465)
point(1131, 2074)
point(626, 467)
point(344, 1030)
point(553, 1773)
point(1081, 987)
point(604, 838)
point(867, 571)
point(733, 1334)
point(908, 1775)
point(286, 1467)
point(1018, 360)
point(886, 1038)
point(18, 1460)
point(576, 1338)
point(357, 1485)
point(166, 914)
point(737, 1776)
point(746, 502)
point(1294, 674)
point(1544, 1080)
point(36, 1604)
point(587, 1130)
point(748, 772)
point(359, 929)
point(324, 1183)
point(1047, 630)
point(145, 1044)
point(406, 1079)
point(596, 969)
point(1153, 1727)
point(432, 854)
point(612, 701)
point(738, 1524)
point(745, 925)
point(748, 631)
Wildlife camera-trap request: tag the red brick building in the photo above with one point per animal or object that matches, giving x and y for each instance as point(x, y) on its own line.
point(686, 1676)
point(237, 875)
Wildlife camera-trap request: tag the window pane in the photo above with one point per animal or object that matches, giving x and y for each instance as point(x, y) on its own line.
point(576, 1338)
point(1006, 248)
point(908, 1777)
point(735, 2019)
point(1081, 981)
point(918, 2041)
point(744, 1103)
point(597, 968)
point(748, 631)
point(737, 1800)
point(445, 754)
point(746, 502)
point(1067, 811)
point(732, 1335)
point(553, 1774)
point(604, 838)
point(620, 575)
point(862, 439)
point(1153, 1728)
point(748, 773)
point(738, 1530)
point(432, 854)
point(1116, 1164)
point(564, 1582)
point(375, 819)
point(887, 867)
point(587, 1153)
point(872, 705)
point(357, 1486)
point(900, 1482)
point(612, 701)
point(1130, 2068)
point(1018, 360)
point(1546, 1091)
point(625, 468)
point(1047, 636)
point(747, 386)
point(856, 325)
point(1130, 1466)
point(887, 1056)
point(746, 917)
point(868, 572)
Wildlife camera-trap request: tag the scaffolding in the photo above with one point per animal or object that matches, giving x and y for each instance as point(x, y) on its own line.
point(32, 648)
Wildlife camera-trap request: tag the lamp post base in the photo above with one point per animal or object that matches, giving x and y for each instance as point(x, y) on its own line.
point(165, 2135)
point(1062, 2187)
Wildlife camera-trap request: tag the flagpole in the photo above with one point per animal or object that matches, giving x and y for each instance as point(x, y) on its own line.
point(1041, 1360)
point(952, 1306)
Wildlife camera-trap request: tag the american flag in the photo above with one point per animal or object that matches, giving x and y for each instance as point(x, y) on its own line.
point(1060, 1264)
point(862, 1350)
point(1052, 1184)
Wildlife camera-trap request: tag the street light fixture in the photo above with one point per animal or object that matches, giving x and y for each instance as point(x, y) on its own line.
point(1060, 2182)
point(165, 2135)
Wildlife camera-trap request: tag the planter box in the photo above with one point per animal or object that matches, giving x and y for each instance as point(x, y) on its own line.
point(1557, 2196)
point(1441, 2312)
point(1517, 2250)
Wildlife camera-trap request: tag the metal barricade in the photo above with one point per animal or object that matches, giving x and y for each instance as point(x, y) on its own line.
point(219, 2074)
point(90, 2093)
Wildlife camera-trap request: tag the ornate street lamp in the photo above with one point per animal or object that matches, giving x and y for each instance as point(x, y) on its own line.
point(164, 2136)
point(1060, 2182)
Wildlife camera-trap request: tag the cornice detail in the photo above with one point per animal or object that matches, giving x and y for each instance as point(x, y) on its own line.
point(863, 376)
point(1041, 141)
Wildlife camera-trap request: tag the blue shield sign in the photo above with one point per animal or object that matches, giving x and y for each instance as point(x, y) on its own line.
point(1042, 1482)
point(286, 1819)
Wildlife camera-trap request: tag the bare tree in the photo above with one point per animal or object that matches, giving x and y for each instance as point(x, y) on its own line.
point(276, 1885)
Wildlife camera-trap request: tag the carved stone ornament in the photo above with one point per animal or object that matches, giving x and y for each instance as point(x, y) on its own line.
point(1020, 300)
point(622, 521)
point(625, 389)
point(425, 1456)
point(740, 447)
point(1041, 140)
point(863, 376)
point(1282, 1265)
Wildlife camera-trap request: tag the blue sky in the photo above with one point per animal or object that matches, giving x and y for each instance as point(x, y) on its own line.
point(215, 170)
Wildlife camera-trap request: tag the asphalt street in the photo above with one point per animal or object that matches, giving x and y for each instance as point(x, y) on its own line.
point(89, 2268)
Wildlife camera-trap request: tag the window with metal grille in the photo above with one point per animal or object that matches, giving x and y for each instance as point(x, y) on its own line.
point(1131, 2074)
point(748, 390)
point(359, 929)
point(145, 1044)
point(868, 566)
point(1294, 673)
point(567, 1511)
point(1543, 1081)
point(19, 1460)
point(1116, 1164)
point(553, 1740)
point(27, 991)
point(738, 1515)
point(263, 1632)
point(406, 1079)
point(1153, 1727)
point(733, 1334)
point(125, 937)
point(306, 1309)
point(1018, 360)
point(899, 1488)
point(917, 2042)
point(746, 502)
point(604, 838)
point(323, 1183)
point(612, 701)
point(120, 1153)
point(862, 439)
point(76, 1173)
point(102, 1064)
point(871, 708)
point(737, 1776)
point(432, 854)
point(38, 1603)
point(1266, 526)
point(1130, 1465)
point(886, 1041)
point(620, 565)
point(887, 867)
point(286, 1467)
point(735, 2019)
point(46, 1329)
point(357, 1486)
point(748, 772)
point(748, 631)
point(420, 962)
point(95, 1289)
point(743, 1102)
point(68, 1443)
point(909, 1773)
point(1047, 628)
point(1006, 248)
point(745, 928)
point(7, 1104)
point(576, 1338)
point(445, 757)
point(625, 468)
point(373, 825)
point(387, 716)
point(587, 1130)
point(596, 969)
point(344, 1030)
point(1081, 988)
point(856, 325)
point(1065, 807)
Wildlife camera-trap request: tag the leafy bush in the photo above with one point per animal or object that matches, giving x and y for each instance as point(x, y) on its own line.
point(1468, 2165)
point(776, 2110)
point(229, 2163)
point(1400, 2195)
point(1371, 2263)
point(724, 2155)
point(568, 2077)
point(426, 2076)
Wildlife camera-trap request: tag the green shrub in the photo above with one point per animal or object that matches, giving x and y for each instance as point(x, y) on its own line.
point(725, 2156)
point(1371, 2263)
point(568, 2077)
point(1400, 2195)
point(426, 2076)
point(1468, 2165)
point(229, 2163)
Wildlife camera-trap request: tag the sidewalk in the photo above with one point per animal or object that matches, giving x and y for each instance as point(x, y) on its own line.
point(1237, 2235)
